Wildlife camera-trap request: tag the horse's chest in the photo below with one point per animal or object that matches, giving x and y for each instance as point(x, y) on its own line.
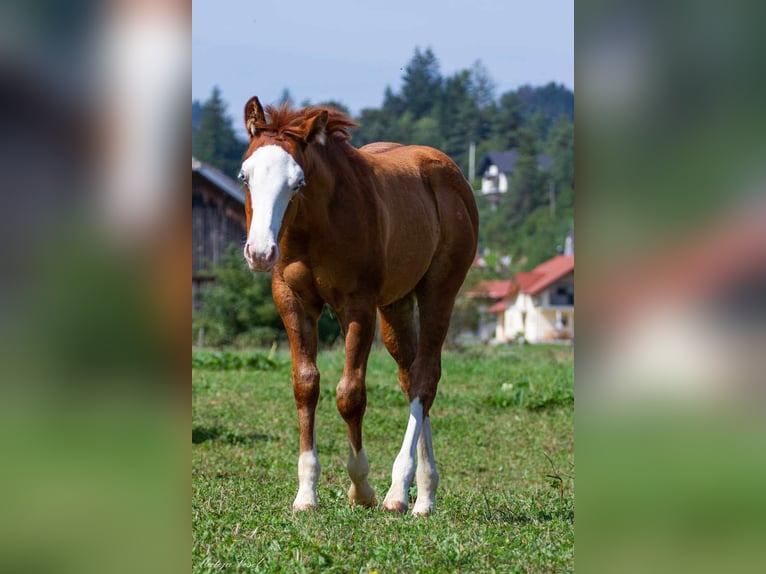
point(332, 286)
point(310, 282)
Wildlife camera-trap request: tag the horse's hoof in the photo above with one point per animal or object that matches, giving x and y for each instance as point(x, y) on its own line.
point(366, 498)
point(304, 508)
point(422, 510)
point(372, 503)
point(395, 506)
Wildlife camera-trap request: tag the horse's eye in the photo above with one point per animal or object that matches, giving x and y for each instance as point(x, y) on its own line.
point(242, 177)
point(300, 183)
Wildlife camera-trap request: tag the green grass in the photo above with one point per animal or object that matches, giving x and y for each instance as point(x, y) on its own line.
point(503, 425)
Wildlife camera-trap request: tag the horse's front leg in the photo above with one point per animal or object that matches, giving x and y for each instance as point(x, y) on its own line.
point(300, 320)
point(351, 396)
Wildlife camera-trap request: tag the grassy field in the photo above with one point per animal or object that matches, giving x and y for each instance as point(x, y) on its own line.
point(503, 426)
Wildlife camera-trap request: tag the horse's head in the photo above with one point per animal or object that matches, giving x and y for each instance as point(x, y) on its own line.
point(273, 174)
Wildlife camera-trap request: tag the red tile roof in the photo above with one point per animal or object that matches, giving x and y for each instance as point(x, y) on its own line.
point(499, 307)
point(542, 276)
point(496, 289)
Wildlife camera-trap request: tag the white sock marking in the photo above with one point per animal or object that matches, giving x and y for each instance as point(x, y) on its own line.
point(308, 475)
point(427, 475)
point(404, 466)
point(358, 468)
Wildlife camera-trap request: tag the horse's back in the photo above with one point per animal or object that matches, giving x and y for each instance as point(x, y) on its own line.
point(452, 194)
point(379, 147)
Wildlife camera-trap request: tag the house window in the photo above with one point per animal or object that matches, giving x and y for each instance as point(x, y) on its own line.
point(562, 295)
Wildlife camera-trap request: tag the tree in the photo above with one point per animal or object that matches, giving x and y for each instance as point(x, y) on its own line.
point(550, 101)
point(393, 104)
point(238, 309)
point(336, 105)
point(482, 86)
point(539, 237)
point(560, 147)
point(215, 141)
point(196, 113)
point(459, 117)
point(508, 120)
point(527, 186)
point(421, 83)
point(426, 132)
point(286, 98)
point(374, 125)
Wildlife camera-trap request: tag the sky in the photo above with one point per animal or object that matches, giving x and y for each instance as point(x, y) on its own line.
point(349, 51)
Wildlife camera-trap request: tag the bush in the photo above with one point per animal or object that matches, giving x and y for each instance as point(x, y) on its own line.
point(226, 361)
point(238, 310)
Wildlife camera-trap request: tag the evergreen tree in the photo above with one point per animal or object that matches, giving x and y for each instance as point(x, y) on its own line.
point(336, 105)
point(215, 141)
point(561, 148)
point(426, 131)
point(482, 86)
point(459, 117)
point(508, 120)
point(393, 104)
point(549, 101)
point(196, 113)
point(286, 98)
point(527, 188)
point(421, 83)
point(374, 126)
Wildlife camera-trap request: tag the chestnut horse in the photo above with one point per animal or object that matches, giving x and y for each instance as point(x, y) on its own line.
point(360, 230)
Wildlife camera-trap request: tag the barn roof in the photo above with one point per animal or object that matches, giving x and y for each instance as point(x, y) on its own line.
point(219, 179)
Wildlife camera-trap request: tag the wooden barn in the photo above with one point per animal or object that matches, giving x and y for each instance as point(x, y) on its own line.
point(218, 220)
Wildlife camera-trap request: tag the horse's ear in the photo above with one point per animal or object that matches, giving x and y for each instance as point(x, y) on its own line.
point(317, 128)
point(253, 115)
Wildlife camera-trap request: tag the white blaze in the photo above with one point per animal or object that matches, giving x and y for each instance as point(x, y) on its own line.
point(273, 177)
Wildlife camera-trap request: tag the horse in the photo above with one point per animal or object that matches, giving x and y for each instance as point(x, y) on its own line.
point(385, 228)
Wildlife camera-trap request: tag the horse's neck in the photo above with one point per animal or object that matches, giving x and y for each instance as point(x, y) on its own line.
point(324, 186)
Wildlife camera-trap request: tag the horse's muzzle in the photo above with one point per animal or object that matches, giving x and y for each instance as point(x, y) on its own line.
point(261, 261)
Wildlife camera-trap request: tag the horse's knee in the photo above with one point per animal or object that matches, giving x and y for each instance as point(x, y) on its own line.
point(351, 398)
point(306, 384)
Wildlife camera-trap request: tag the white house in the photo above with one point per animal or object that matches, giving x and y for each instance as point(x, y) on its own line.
point(487, 293)
point(497, 167)
point(537, 305)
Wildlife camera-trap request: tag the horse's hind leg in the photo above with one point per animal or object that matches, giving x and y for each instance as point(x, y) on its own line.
point(397, 324)
point(401, 340)
point(351, 396)
point(436, 296)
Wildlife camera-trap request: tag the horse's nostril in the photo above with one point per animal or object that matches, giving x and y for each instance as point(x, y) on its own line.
point(272, 254)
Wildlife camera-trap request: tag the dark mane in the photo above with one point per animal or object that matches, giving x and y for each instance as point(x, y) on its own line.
point(286, 120)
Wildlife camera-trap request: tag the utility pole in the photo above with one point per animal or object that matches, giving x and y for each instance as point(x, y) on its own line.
point(471, 162)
